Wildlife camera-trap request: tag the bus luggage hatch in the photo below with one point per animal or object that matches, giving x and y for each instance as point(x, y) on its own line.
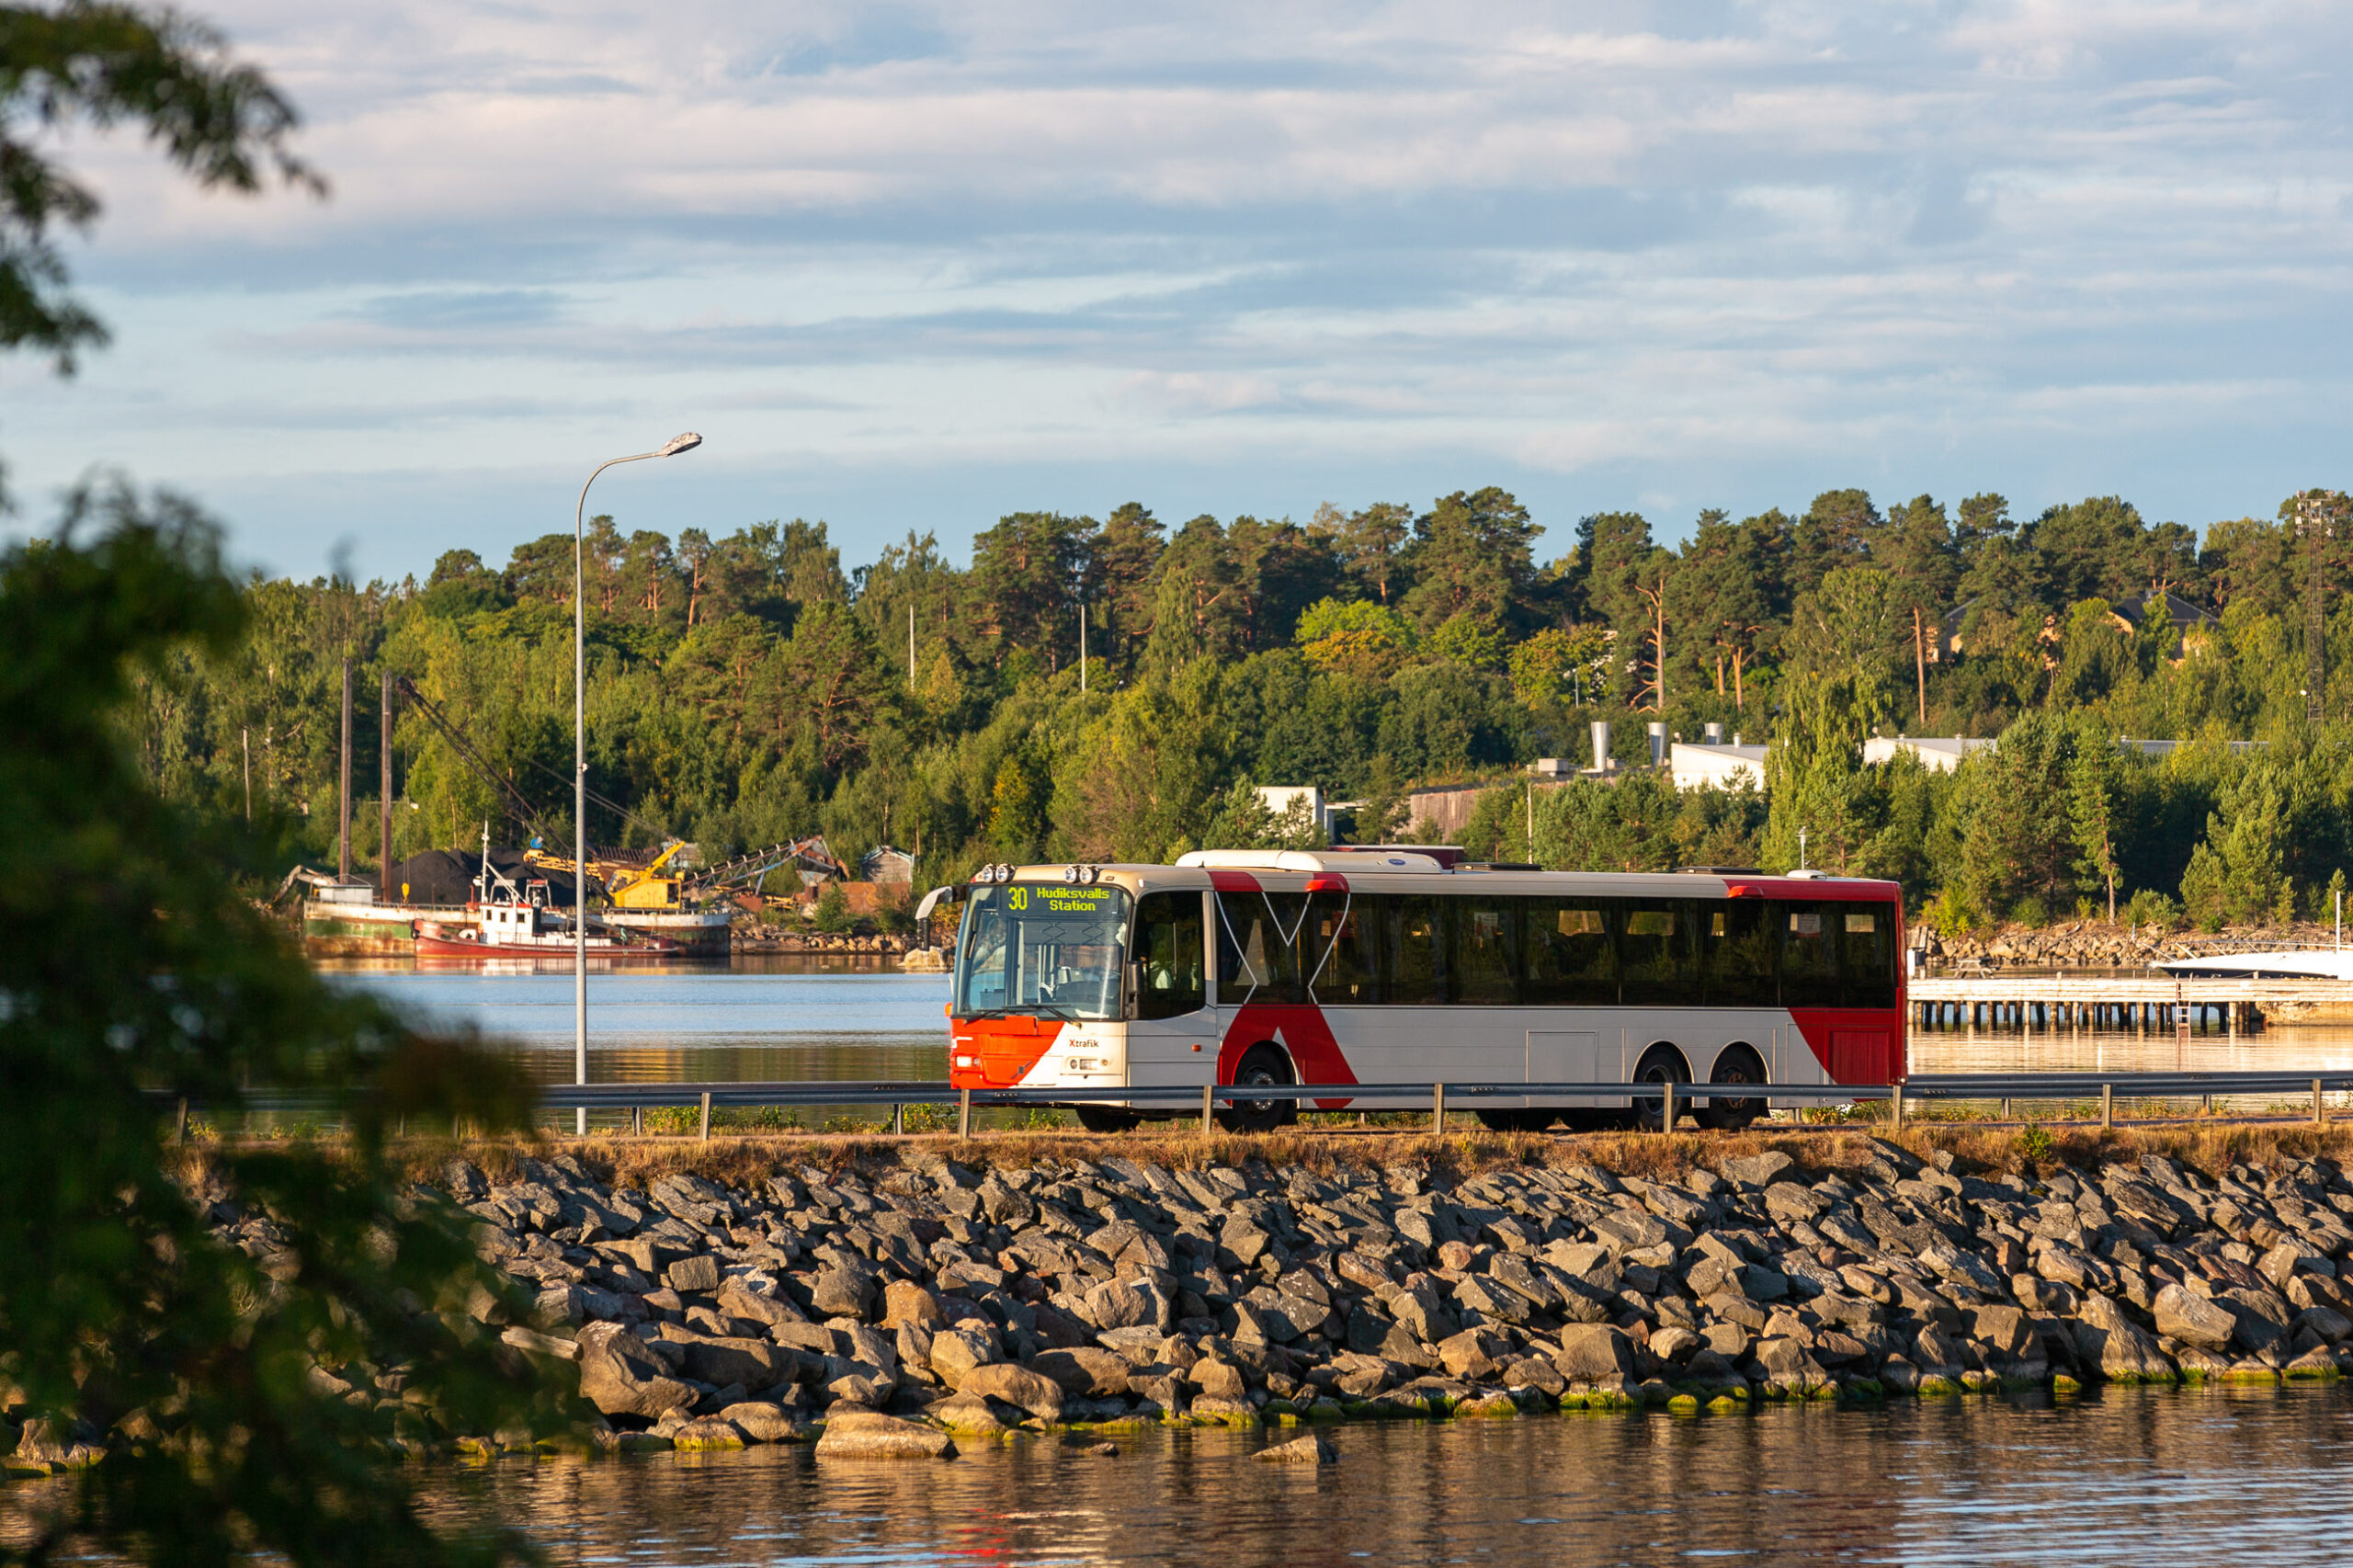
point(1564, 1056)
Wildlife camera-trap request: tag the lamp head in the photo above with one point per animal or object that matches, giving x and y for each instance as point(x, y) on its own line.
point(676, 444)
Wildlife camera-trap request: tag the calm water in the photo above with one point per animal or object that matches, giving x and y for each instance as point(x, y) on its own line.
point(754, 1020)
point(798, 1017)
point(2119, 1477)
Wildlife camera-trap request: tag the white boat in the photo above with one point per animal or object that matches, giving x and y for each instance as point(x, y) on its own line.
point(504, 920)
point(2285, 963)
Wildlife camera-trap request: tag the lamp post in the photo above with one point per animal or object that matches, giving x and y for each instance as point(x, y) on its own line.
point(669, 448)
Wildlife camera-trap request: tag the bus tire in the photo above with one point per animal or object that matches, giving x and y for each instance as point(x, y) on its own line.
point(1106, 1118)
point(1660, 1064)
point(1259, 1064)
point(1734, 1064)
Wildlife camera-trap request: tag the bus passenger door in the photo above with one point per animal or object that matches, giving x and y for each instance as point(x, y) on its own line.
point(1564, 1056)
point(1173, 1028)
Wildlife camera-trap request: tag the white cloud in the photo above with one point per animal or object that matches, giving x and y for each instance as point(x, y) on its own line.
point(1749, 245)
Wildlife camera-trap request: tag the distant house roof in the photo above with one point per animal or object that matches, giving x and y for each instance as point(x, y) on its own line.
point(884, 864)
point(2180, 611)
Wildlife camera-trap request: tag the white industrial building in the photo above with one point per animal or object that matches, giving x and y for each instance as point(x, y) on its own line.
point(1717, 767)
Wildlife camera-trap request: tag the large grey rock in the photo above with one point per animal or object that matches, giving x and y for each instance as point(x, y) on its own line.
point(1420, 1313)
point(2329, 1323)
point(762, 1421)
point(1756, 1170)
point(754, 1363)
point(904, 1302)
point(1590, 1351)
point(1313, 1448)
point(1470, 1355)
point(1218, 1380)
point(1124, 1303)
point(2120, 1349)
point(868, 1434)
point(620, 1377)
point(2006, 1332)
point(2184, 1315)
point(1015, 1385)
point(692, 1276)
point(843, 1293)
point(955, 1352)
point(1786, 1200)
point(1085, 1371)
point(1675, 1344)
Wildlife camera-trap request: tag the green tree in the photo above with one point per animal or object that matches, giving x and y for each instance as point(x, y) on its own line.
point(2094, 802)
point(136, 963)
point(1473, 552)
point(1841, 529)
point(1026, 574)
point(2021, 842)
point(1355, 637)
point(1558, 666)
point(1469, 640)
point(1367, 543)
point(1721, 602)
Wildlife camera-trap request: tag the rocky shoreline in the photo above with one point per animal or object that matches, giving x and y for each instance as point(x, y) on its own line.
point(931, 1296)
point(2097, 945)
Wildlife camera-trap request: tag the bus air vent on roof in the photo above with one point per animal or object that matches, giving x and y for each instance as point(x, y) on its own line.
point(1722, 871)
point(1343, 858)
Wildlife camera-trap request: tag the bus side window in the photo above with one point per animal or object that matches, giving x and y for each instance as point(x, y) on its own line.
point(1344, 939)
point(1739, 954)
point(1168, 946)
point(1571, 962)
point(1416, 972)
point(1866, 955)
point(1483, 951)
point(1656, 948)
point(1257, 947)
point(1809, 959)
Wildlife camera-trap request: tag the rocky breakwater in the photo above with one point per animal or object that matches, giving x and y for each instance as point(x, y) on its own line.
point(897, 1307)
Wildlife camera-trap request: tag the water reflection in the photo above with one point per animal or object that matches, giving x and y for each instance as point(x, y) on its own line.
point(2197, 1477)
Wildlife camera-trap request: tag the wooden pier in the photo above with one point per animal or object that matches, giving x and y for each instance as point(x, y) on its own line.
point(2142, 1004)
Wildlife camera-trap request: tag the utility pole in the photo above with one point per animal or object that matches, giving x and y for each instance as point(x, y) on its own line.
point(343, 787)
point(1082, 647)
point(2315, 515)
point(911, 647)
point(1920, 664)
point(384, 796)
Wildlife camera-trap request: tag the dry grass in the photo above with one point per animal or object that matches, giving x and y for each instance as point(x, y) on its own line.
point(740, 1161)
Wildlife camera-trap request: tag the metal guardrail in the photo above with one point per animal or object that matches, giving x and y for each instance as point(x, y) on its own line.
point(2006, 1088)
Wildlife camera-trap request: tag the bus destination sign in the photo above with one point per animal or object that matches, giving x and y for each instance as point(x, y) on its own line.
point(1064, 901)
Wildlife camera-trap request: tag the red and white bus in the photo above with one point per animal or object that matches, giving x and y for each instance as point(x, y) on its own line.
point(1347, 966)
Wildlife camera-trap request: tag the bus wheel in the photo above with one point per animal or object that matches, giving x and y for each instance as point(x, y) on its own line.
point(1737, 1065)
point(1660, 1064)
point(1514, 1121)
point(1106, 1118)
point(1259, 1064)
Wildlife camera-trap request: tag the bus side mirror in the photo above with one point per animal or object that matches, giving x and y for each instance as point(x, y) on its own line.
point(1132, 1007)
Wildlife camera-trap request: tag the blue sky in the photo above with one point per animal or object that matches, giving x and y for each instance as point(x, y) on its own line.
point(915, 266)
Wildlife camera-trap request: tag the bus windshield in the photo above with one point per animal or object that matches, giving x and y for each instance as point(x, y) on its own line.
point(1047, 951)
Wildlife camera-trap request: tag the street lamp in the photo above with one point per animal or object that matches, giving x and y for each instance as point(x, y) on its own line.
point(669, 448)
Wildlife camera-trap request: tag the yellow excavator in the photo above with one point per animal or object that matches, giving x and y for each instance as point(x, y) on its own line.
point(628, 886)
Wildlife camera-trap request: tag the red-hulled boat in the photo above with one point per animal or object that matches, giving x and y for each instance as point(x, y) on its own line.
point(506, 921)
